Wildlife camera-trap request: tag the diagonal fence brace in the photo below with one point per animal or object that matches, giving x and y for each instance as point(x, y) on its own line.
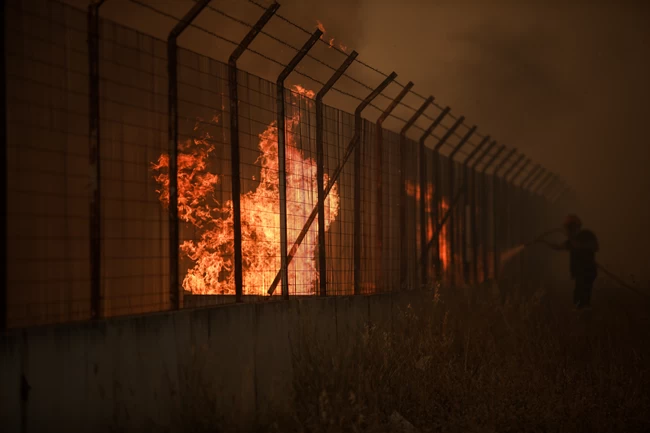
point(339, 169)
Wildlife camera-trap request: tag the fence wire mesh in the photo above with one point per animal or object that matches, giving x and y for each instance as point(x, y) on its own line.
point(424, 219)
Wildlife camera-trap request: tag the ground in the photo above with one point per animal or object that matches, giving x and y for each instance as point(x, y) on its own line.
point(463, 363)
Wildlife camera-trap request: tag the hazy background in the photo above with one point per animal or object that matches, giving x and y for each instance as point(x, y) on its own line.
point(567, 83)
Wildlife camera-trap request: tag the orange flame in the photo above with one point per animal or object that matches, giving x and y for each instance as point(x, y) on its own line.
point(413, 190)
point(297, 88)
point(331, 41)
point(213, 253)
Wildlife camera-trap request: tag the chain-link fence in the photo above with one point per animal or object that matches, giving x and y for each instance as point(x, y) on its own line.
point(91, 114)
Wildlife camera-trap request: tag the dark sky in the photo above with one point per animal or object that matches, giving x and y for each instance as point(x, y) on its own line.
point(565, 82)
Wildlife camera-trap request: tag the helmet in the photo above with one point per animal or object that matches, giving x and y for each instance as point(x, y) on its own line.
point(572, 222)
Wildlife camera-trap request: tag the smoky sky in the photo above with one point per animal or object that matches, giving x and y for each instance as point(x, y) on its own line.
point(565, 82)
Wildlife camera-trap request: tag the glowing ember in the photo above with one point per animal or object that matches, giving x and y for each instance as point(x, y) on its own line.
point(213, 253)
point(413, 190)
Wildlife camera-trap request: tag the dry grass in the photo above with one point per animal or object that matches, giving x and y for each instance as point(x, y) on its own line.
point(457, 364)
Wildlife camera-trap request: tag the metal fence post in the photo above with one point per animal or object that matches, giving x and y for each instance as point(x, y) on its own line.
point(424, 256)
point(484, 201)
point(543, 182)
point(496, 185)
point(337, 172)
point(470, 197)
point(4, 300)
point(234, 145)
point(511, 202)
point(172, 71)
point(357, 190)
point(529, 209)
point(94, 160)
point(517, 173)
point(529, 176)
point(320, 170)
point(379, 178)
point(282, 169)
point(535, 178)
point(437, 181)
point(402, 194)
point(518, 212)
point(472, 202)
point(555, 187)
point(452, 226)
point(550, 184)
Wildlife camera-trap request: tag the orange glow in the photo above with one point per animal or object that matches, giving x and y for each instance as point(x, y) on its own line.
point(413, 190)
point(297, 88)
point(212, 253)
point(331, 41)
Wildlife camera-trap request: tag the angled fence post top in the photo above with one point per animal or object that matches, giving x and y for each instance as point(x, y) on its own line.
point(529, 176)
point(503, 162)
point(368, 99)
point(394, 103)
point(535, 178)
point(298, 57)
point(520, 171)
point(540, 186)
point(448, 134)
point(433, 125)
point(492, 159)
point(95, 5)
point(515, 165)
point(416, 115)
point(252, 34)
point(462, 143)
point(334, 78)
point(476, 150)
point(184, 22)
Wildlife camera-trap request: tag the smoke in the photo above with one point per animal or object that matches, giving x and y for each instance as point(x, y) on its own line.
point(563, 83)
point(509, 254)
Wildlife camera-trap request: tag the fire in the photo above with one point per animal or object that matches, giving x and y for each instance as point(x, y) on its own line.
point(297, 88)
point(331, 41)
point(212, 253)
point(413, 190)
